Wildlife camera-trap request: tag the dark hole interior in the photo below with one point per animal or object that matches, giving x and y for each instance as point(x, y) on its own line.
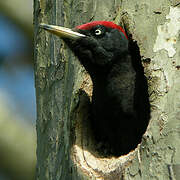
point(107, 147)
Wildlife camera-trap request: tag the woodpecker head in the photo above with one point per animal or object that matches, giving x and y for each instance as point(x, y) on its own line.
point(97, 44)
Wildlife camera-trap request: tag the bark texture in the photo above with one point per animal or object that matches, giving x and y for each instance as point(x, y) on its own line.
point(65, 148)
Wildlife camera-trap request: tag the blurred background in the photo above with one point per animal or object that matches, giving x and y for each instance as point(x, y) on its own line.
point(17, 92)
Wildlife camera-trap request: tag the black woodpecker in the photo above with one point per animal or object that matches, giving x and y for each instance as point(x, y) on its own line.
point(119, 115)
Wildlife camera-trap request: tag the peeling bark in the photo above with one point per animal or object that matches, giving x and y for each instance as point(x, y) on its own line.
point(65, 147)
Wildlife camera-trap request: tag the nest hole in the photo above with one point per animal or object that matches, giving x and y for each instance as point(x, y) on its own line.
point(89, 137)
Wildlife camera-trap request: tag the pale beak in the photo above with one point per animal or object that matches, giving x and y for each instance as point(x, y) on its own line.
point(62, 31)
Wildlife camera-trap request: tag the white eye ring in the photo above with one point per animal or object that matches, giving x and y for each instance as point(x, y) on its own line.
point(98, 32)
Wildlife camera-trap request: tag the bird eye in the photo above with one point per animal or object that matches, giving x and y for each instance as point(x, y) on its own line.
point(98, 32)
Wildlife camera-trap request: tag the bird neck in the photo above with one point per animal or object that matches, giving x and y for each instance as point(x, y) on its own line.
point(116, 87)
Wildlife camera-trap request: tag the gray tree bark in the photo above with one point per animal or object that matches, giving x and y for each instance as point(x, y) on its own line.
point(65, 148)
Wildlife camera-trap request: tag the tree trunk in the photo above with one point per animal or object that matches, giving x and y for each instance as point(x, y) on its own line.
point(65, 147)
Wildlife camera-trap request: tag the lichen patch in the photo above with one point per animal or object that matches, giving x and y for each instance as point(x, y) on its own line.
point(168, 33)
